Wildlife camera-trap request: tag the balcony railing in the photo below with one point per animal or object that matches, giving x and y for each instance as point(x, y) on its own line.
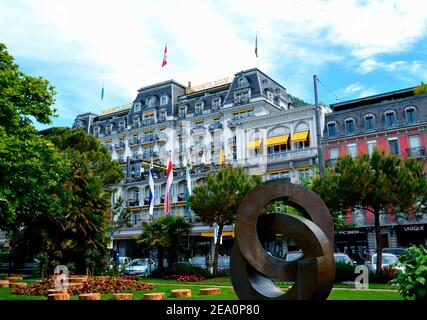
point(133, 203)
point(418, 152)
point(134, 141)
point(150, 139)
point(198, 130)
point(120, 145)
point(292, 154)
point(215, 126)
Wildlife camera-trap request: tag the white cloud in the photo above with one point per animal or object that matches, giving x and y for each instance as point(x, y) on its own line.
point(122, 42)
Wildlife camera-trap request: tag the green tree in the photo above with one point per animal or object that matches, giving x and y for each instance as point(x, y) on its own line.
point(169, 235)
point(374, 184)
point(218, 200)
point(31, 168)
point(422, 88)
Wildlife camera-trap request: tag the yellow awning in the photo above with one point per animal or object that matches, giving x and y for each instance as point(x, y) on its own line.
point(199, 121)
point(300, 136)
point(224, 234)
point(273, 141)
point(254, 144)
point(151, 113)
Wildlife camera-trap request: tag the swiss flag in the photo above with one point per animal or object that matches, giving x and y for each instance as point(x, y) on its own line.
point(165, 56)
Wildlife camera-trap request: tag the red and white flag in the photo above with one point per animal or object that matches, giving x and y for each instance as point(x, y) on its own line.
point(169, 179)
point(165, 56)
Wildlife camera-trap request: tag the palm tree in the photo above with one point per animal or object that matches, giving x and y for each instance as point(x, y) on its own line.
point(154, 237)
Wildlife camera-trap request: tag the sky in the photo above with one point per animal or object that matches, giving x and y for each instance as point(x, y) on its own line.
point(356, 48)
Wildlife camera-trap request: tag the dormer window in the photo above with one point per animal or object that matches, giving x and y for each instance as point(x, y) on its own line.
point(241, 97)
point(269, 95)
point(216, 103)
point(96, 130)
point(182, 111)
point(199, 107)
point(164, 100)
point(109, 128)
point(242, 82)
point(136, 121)
point(137, 107)
point(151, 101)
point(122, 125)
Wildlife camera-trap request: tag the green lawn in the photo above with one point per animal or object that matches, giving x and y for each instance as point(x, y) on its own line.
point(226, 293)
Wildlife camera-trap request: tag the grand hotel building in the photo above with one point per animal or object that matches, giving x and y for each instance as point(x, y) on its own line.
point(247, 121)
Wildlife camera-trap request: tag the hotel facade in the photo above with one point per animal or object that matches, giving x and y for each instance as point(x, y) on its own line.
point(247, 121)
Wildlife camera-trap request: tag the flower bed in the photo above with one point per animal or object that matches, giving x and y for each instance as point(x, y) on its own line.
point(184, 278)
point(110, 285)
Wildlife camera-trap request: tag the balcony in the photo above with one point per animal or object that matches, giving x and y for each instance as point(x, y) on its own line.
point(216, 126)
point(135, 141)
point(198, 148)
point(149, 139)
point(149, 122)
point(292, 154)
point(133, 203)
point(198, 130)
point(182, 115)
point(417, 152)
point(122, 160)
point(148, 156)
point(120, 145)
point(216, 144)
point(162, 137)
point(241, 100)
point(181, 197)
point(231, 124)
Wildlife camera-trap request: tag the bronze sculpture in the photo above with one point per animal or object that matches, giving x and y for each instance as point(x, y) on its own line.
point(252, 268)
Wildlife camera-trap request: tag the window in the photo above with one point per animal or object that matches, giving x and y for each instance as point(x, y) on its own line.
point(414, 142)
point(350, 126)
point(216, 103)
point(390, 118)
point(369, 122)
point(280, 175)
point(332, 129)
point(151, 101)
point(371, 147)
point(137, 107)
point(109, 128)
point(334, 154)
point(415, 148)
point(242, 97)
point(122, 125)
point(136, 121)
point(393, 145)
point(269, 95)
point(149, 120)
point(135, 153)
point(199, 107)
point(351, 150)
point(182, 111)
point(164, 100)
point(242, 82)
point(410, 115)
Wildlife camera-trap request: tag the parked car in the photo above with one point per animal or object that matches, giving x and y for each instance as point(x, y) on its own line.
point(140, 267)
point(123, 262)
point(343, 258)
point(395, 251)
point(388, 260)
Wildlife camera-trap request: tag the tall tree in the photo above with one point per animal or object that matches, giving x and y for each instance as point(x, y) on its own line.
point(217, 201)
point(377, 184)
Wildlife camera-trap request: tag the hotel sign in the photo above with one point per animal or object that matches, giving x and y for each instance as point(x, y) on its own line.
point(116, 109)
point(414, 228)
point(207, 85)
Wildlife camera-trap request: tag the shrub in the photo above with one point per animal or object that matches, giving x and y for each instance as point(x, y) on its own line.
point(181, 269)
point(181, 278)
point(110, 285)
point(413, 281)
point(385, 276)
point(344, 272)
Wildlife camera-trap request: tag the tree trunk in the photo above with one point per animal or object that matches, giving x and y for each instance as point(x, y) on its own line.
point(378, 241)
point(160, 258)
point(217, 246)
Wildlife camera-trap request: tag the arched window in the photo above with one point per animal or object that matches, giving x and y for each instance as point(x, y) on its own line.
point(390, 118)
point(369, 121)
point(350, 125)
point(332, 129)
point(410, 114)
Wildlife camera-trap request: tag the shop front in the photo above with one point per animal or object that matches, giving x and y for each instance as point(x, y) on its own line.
point(413, 234)
point(353, 242)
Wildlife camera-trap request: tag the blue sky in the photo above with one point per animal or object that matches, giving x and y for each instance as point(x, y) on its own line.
point(357, 48)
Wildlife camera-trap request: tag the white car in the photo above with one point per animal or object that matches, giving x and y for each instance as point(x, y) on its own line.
point(388, 260)
point(141, 267)
point(343, 258)
point(123, 262)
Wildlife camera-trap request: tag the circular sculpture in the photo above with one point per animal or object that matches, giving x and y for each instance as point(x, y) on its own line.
point(252, 268)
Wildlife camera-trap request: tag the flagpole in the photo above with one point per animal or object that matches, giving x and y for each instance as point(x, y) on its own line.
point(256, 49)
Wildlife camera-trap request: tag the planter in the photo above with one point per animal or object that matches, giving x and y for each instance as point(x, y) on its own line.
point(90, 296)
point(13, 279)
point(122, 296)
point(4, 283)
point(58, 290)
point(154, 296)
point(208, 291)
point(181, 293)
point(58, 296)
point(18, 284)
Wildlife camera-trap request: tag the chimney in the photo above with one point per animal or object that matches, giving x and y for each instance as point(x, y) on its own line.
point(189, 84)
